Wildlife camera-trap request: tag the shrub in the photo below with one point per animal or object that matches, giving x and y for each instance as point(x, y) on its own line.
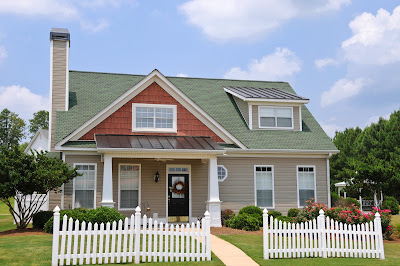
point(254, 211)
point(274, 214)
point(99, 215)
point(354, 201)
point(285, 219)
point(244, 221)
point(392, 204)
point(40, 218)
point(226, 215)
point(310, 211)
point(342, 202)
point(293, 212)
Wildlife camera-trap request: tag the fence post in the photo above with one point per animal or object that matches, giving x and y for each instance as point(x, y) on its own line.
point(137, 234)
point(208, 240)
point(322, 240)
point(378, 229)
point(265, 234)
point(56, 233)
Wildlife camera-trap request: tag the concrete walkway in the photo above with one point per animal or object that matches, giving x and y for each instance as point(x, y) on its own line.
point(228, 253)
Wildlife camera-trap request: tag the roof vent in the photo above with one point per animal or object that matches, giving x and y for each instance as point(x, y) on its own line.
point(59, 34)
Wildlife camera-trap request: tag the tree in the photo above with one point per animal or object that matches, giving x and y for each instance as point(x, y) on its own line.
point(29, 178)
point(11, 128)
point(40, 120)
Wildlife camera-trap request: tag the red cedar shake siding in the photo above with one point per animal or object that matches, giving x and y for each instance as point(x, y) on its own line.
point(120, 122)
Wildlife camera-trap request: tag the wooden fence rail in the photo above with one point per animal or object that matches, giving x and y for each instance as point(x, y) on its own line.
point(322, 237)
point(142, 239)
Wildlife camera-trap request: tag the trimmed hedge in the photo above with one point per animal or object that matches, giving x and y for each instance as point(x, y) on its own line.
point(253, 211)
point(244, 222)
point(274, 214)
point(293, 212)
point(40, 218)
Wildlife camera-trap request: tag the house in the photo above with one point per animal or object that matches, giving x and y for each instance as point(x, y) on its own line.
point(180, 146)
point(39, 142)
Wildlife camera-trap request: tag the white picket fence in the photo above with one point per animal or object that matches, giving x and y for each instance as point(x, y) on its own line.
point(141, 240)
point(322, 237)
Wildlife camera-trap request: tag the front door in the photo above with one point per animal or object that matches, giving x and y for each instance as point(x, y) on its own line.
point(178, 197)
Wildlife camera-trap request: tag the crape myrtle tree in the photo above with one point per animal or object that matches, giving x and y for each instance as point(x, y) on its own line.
point(30, 177)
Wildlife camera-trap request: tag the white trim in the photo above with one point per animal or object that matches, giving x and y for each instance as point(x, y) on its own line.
point(38, 132)
point(301, 119)
point(154, 129)
point(95, 184)
point(250, 116)
point(167, 151)
point(67, 77)
point(273, 187)
point(276, 118)
point(51, 94)
point(264, 100)
point(226, 175)
point(189, 166)
point(315, 183)
point(328, 182)
point(155, 76)
point(139, 189)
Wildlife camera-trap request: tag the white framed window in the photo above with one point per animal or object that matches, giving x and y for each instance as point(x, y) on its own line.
point(128, 186)
point(222, 173)
point(275, 117)
point(84, 187)
point(306, 184)
point(154, 117)
point(264, 186)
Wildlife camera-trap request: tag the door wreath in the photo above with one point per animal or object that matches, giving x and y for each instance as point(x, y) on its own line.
point(179, 187)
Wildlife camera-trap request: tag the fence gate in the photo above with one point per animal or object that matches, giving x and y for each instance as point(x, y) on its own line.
point(322, 237)
point(142, 240)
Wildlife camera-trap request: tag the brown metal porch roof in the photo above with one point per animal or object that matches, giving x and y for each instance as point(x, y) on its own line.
point(155, 142)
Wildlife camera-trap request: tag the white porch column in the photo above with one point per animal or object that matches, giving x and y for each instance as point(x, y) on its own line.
point(107, 196)
point(213, 203)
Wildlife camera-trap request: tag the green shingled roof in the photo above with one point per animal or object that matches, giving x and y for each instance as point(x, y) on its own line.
point(91, 92)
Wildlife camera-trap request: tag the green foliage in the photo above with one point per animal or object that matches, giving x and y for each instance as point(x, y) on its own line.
point(25, 174)
point(23, 146)
point(274, 214)
point(40, 218)
point(392, 204)
point(254, 211)
point(293, 212)
point(99, 215)
point(11, 128)
point(285, 219)
point(310, 211)
point(244, 221)
point(226, 215)
point(342, 202)
point(40, 120)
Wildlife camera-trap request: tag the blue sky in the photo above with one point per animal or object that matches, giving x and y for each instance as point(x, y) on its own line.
point(342, 54)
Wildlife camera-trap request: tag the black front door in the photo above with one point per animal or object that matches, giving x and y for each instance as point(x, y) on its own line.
point(178, 197)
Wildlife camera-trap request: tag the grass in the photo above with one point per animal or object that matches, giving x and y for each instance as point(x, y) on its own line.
point(252, 245)
point(4, 207)
point(395, 219)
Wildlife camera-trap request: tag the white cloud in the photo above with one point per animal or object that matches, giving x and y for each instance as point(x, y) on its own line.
point(3, 54)
point(330, 129)
point(95, 27)
point(280, 64)
point(342, 89)
point(375, 119)
point(182, 75)
point(22, 101)
point(237, 19)
point(375, 40)
point(321, 63)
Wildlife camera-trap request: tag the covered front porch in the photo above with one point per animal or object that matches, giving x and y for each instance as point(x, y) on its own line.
point(174, 184)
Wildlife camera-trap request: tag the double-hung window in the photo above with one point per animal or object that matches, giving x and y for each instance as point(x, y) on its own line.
point(85, 186)
point(154, 117)
point(275, 117)
point(129, 183)
point(306, 184)
point(264, 186)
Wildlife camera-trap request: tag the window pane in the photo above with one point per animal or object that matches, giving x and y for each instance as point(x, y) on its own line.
point(129, 177)
point(284, 122)
point(267, 111)
point(305, 195)
point(221, 173)
point(145, 122)
point(164, 123)
point(284, 112)
point(129, 199)
point(264, 198)
point(84, 199)
point(267, 122)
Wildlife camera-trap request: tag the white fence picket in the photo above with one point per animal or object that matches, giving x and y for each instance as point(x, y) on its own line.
point(322, 237)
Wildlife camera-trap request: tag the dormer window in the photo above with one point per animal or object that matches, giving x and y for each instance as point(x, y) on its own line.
point(275, 117)
point(154, 118)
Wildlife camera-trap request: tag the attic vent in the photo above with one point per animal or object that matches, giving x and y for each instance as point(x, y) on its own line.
point(59, 34)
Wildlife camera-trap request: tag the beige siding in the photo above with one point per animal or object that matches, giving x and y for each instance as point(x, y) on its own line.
point(237, 190)
point(59, 82)
point(296, 119)
point(243, 107)
point(153, 193)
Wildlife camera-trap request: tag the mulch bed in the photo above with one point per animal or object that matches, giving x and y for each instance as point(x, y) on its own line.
point(23, 232)
point(231, 231)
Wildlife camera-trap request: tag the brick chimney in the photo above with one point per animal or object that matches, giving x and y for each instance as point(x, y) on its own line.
point(59, 77)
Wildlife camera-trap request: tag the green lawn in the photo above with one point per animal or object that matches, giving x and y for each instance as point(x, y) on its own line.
point(252, 245)
point(395, 219)
point(4, 207)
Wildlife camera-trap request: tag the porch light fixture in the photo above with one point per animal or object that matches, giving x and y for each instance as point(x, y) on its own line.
point(156, 177)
